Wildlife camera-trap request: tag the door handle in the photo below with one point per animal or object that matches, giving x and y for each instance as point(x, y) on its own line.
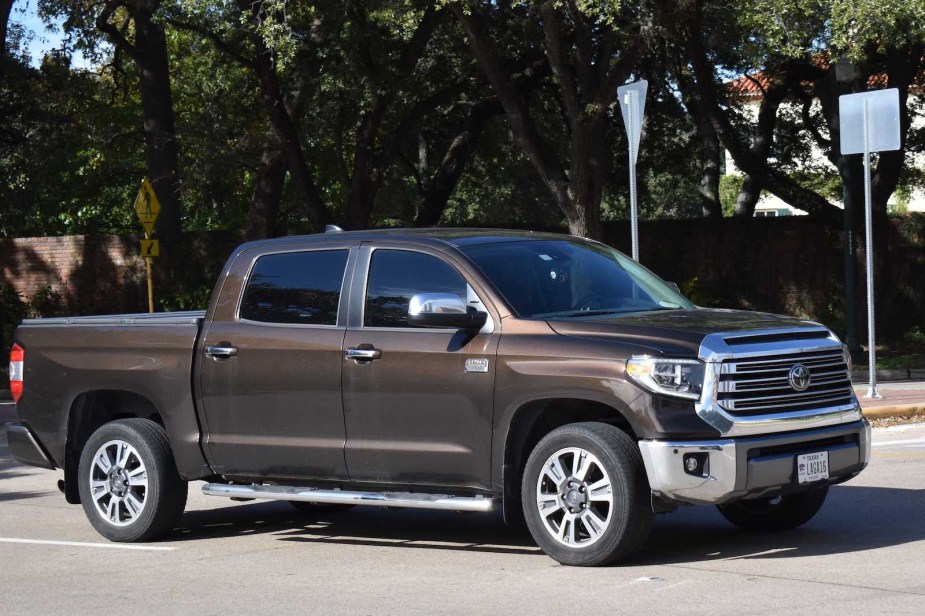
point(223, 350)
point(363, 353)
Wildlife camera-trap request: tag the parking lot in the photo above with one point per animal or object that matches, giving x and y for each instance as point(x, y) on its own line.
point(865, 552)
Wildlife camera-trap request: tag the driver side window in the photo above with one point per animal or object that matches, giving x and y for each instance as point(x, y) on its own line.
point(396, 275)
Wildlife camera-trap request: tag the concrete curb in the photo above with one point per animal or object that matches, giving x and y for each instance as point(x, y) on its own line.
point(896, 410)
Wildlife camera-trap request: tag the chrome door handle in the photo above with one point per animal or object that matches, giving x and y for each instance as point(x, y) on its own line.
point(363, 353)
point(221, 351)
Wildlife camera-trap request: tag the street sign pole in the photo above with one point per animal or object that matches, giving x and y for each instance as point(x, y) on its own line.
point(632, 99)
point(147, 207)
point(869, 122)
point(633, 103)
point(869, 242)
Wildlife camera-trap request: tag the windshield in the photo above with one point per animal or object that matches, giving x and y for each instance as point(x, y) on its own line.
point(561, 278)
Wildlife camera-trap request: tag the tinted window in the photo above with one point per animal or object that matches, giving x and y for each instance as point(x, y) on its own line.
point(396, 275)
point(571, 278)
point(295, 287)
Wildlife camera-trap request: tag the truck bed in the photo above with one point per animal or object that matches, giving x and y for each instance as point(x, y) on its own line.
point(78, 365)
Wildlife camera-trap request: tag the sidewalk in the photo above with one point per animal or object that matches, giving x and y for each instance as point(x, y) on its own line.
point(900, 399)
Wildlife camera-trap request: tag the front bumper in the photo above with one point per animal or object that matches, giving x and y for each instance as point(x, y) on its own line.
point(25, 448)
point(752, 467)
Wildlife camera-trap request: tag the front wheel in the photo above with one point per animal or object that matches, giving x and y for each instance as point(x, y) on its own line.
point(586, 495)
point(775, 514)
point(129, 485)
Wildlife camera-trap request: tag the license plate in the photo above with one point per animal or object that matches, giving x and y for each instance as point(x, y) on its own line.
point(812, 466)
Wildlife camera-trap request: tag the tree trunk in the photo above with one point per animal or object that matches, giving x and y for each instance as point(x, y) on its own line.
point(157, 108)
point(6, 6)
point(263, 215)
point(710, 166)
point(288, 135)
point(367, 174)
point(586, 177)
point(436, 188)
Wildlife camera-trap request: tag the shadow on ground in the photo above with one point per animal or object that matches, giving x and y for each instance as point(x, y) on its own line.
point(854, 519)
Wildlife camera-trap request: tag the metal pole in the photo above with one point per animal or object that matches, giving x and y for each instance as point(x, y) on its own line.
point(150, 282)
point(869, 239)
point(634, 213)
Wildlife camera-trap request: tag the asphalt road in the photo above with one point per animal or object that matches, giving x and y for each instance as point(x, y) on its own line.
point(864, 553)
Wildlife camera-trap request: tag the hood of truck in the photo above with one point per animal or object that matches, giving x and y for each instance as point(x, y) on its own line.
point(673, 332)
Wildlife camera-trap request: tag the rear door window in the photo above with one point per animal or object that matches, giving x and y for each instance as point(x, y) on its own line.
point(295, 288)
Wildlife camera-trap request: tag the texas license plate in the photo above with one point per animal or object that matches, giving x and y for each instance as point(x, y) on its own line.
point(812, 466)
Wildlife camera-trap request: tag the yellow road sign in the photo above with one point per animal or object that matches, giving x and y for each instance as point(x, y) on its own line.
point(150, 248)
point(147, 206)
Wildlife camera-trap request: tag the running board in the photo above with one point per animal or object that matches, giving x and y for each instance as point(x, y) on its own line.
point(414, 500)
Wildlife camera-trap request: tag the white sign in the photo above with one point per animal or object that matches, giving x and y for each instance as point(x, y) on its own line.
point(869, 122)
point(882, 109)
point(632, 99)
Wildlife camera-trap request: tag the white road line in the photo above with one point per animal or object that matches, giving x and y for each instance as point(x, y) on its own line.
point(905, 441)
point(84, 544)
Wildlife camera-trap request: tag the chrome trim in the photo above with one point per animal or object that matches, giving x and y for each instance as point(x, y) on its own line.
point(729, 469)
point(715, 348)
point(436, 303)
point(662, 460)
point(362, 354)
point(221, 352)
point(413, 500)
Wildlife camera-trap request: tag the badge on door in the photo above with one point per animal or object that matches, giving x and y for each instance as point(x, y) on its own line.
point(477, 365)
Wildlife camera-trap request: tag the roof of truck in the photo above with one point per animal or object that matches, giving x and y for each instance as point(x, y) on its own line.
point(455, 237)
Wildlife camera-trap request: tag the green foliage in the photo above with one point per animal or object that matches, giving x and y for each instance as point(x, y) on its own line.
point(13, 309)
point(729, 186)
point(193, 299)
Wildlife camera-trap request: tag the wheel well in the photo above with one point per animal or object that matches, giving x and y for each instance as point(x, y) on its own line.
point(88, 412)
point(535, 420)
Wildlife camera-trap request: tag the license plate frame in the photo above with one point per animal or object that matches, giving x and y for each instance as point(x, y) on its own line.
point(812, 467)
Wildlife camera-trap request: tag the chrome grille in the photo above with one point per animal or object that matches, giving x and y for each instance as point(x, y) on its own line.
point(761, 385)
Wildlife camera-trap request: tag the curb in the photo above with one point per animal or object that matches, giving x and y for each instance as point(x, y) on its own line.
point(897, 410)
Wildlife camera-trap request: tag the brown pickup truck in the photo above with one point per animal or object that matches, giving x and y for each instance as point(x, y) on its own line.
point(467, 370)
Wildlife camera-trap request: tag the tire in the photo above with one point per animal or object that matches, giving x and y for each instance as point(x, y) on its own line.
point(316, 508)
point(601, 527)
point(140, 495)
point(782, 513)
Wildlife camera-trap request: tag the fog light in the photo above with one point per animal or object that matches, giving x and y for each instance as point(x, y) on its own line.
point(696, 464)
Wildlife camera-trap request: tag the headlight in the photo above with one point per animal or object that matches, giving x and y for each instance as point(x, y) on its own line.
point(681, 378)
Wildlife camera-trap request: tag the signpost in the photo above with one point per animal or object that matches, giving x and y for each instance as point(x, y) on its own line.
point(147, 207)
point(632, 99)
point(869, 122)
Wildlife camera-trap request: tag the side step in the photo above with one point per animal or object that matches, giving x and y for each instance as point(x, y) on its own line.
point(414, 500)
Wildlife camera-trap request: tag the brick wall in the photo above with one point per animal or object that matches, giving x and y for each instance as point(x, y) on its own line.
point(89, 270)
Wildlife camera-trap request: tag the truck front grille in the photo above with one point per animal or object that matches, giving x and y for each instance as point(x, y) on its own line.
point(762, 385)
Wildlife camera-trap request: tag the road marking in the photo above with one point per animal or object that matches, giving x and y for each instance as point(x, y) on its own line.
point(905, 441)
point(85, 544)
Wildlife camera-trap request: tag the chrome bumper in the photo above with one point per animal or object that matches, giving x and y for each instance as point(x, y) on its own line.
point(752, 467)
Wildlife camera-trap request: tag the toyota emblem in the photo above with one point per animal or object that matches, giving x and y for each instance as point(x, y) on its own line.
point(799, 377)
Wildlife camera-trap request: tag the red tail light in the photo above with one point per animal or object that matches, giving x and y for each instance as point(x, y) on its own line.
point(17, 357)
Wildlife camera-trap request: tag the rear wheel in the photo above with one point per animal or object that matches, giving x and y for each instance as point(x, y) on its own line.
point(774, 514)
point(129, 485)
point(586, 495)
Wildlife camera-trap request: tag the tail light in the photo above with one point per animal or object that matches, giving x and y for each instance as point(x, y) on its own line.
point(17, 357)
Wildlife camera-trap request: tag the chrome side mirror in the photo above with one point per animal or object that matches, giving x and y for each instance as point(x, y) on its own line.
point(444, 310)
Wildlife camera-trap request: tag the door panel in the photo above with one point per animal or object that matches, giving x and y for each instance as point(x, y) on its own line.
point(275, 410)
point(414, 415)
point(272, 401)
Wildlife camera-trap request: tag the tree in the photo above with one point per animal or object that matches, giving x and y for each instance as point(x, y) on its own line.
point(146, 45)
point(590, 54)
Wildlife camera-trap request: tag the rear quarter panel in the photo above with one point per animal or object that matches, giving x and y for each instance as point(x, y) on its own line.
point(153, 361)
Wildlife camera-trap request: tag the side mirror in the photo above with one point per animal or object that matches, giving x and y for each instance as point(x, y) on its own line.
point(444, 310)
